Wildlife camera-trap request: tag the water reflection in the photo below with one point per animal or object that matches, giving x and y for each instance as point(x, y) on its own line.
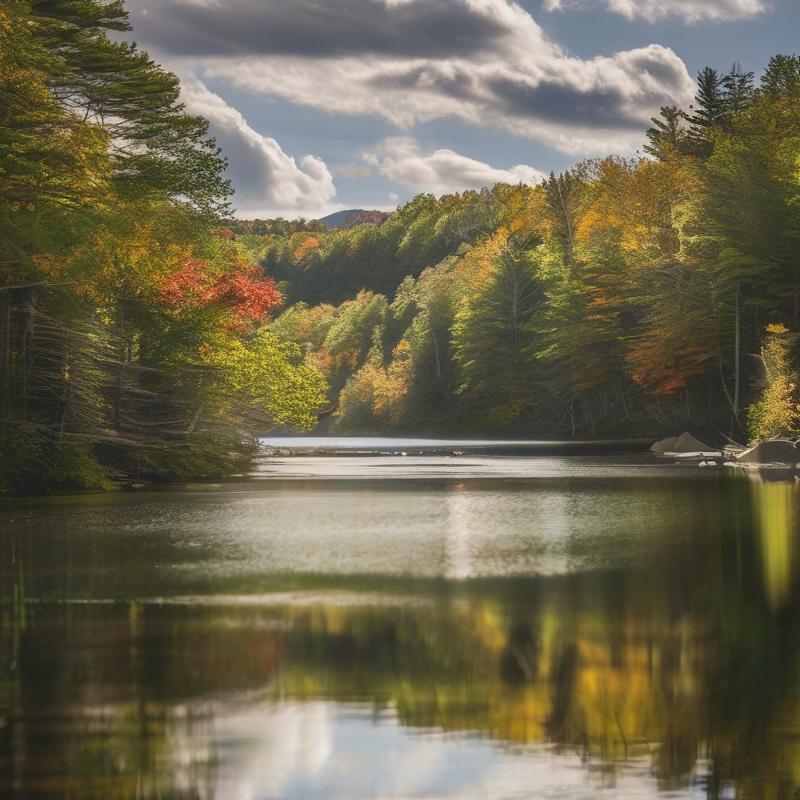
point(776, 507)
point(660, 656)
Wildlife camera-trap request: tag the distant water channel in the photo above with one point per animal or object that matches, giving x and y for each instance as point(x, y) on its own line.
point(403, 619)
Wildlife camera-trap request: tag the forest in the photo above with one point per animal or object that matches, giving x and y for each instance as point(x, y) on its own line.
point(624, 296)
point(132, 335)
point(145, 334)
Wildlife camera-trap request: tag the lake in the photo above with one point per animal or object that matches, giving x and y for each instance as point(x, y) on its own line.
point(449, 623)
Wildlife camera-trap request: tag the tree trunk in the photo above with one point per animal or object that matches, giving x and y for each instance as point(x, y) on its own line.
point(5, 354)
point(120, 366)
point(29, 330)
point(737, 375)
point(515, 309)
point(436, 353)
point(567, 226)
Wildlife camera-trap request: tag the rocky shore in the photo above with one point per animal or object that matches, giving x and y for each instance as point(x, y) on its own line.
point(768, 454)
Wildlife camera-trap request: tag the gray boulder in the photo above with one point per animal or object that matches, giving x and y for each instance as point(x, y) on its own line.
point(782, 452)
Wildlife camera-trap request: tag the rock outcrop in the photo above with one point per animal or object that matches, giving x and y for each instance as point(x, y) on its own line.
point(775, 452)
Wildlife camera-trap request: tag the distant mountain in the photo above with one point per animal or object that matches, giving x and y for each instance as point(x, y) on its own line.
point(354, 216)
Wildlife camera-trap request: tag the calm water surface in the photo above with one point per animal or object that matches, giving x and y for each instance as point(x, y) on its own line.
point(400, 627)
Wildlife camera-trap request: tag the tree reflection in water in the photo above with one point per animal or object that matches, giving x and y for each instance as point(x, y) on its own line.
point(684, 660)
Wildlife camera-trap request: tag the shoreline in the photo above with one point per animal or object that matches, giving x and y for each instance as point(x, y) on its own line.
point(384, 446)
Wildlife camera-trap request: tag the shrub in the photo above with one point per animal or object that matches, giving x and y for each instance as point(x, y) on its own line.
point(33, 461)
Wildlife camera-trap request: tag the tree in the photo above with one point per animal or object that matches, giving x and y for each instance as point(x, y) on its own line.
point(777, 412)
point(563, 195)
point(667, 137)
point(154, 144)
point(709, 109)
point(120, 289)
point(491, 334)
point(351, 335)
point(739, 90)
point(781, 79)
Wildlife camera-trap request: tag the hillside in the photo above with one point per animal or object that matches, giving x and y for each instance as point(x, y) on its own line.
point(352, 217)
point(624, 296)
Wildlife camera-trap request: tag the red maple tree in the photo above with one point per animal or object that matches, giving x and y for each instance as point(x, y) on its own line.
point(247, 292)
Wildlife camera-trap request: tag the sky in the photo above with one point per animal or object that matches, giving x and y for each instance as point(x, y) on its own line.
point(321, 105)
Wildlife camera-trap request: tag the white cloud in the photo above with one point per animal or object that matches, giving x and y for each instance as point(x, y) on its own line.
point(267, 180)
point(443, 171)
point(407, 62)
point(653, 10)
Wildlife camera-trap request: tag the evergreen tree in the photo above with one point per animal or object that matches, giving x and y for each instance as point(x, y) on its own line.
point(667, 137)
point(492, 335)
point(709, 109)
point(739, 90)
point(781, 79)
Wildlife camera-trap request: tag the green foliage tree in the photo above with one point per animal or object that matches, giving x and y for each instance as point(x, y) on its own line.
point(491, 334)
point(119, 292)
point(667, 138)
point(708, 111)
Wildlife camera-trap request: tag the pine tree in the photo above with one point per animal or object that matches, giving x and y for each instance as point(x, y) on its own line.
point(739, 90)
point(155, 144)
point(492, 335)
point(781, 78)
point(667, 137)
point(709, 109)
